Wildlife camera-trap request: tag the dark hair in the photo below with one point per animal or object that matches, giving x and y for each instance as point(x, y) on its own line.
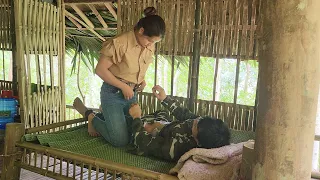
point(152, 24)
point(213, 133)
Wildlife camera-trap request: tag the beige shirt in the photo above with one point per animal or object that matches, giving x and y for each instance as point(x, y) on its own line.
point(129, 63)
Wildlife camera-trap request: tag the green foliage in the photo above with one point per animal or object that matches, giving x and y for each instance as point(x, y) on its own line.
point(86, 48)
point(84, 44)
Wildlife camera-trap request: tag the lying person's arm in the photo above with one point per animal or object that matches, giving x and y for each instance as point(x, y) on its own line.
point(172, 105)
point(180, 113)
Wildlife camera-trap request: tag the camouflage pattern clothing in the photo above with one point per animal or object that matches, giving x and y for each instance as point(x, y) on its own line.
point(173, 140)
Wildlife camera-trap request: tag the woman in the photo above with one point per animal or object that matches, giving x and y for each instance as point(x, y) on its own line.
point(122, 66)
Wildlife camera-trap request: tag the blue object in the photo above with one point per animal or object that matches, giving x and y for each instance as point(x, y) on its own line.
point(8, 110)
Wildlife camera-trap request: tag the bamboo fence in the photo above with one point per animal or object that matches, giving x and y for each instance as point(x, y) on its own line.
point(40, 61)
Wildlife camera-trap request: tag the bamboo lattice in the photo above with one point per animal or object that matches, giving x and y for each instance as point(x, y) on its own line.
point(39, 58)
point(228, 28)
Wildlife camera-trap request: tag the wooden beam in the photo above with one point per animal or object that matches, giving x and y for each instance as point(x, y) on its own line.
point(82, 15)
point(110, 8)
point(95, 12)
point(85, 25)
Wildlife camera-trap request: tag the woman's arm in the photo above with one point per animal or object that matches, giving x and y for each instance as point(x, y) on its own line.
point(102, 70)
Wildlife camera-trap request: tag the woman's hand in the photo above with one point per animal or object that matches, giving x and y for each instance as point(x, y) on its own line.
point(127, 91)
point(141, 86)
point(159, 92)
point(135, 111)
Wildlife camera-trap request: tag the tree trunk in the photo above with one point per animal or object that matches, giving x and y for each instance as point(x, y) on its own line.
point(288, 89)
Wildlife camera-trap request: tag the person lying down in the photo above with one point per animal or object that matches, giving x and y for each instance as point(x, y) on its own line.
point(159, 136)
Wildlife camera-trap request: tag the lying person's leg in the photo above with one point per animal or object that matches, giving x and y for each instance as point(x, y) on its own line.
point(146, 143)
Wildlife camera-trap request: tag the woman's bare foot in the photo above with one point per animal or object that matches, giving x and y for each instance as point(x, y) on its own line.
point(79, 106)
point(91, 130)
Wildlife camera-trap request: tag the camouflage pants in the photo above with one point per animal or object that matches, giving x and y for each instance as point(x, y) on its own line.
point(148, 144)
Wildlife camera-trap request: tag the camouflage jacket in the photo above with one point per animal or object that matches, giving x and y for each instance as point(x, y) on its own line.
point(173, 140)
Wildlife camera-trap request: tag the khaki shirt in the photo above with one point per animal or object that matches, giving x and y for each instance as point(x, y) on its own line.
point(124, 52)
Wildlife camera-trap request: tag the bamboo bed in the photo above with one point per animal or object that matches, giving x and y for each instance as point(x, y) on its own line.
point(26, 155)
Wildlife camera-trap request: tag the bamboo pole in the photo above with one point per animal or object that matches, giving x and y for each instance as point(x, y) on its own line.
point(84, 24)
point(62, 49)
point(19, 56)
point(112, 11)
point(14, 50)
point(82, 15)
point(95, 12)
point(54, 125)
point(195, 58)
point(83, 2)
point(119, 13)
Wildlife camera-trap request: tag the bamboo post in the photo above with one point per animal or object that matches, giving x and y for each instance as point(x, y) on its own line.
point(14, 132)
point(19, 56)
point(14, 51)
point(62, 49)
point(119, 20)
point(195, 58)
point(288, 89)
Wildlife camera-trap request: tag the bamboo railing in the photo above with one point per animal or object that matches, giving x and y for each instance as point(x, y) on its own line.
point(5, 85)
point(39, 56)
point(239, 117)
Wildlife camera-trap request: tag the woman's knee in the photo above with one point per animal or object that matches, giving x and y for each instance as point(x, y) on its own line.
point(119, 141)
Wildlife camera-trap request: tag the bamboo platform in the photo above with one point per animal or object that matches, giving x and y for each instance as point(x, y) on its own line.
point(74, 171)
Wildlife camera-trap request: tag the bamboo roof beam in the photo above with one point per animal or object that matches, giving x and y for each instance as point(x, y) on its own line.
point(83, 28)
point(75, 22)
point(82, 15)
point(95, 12)
point(68, 2)
point(112, 11)
point(85, 25)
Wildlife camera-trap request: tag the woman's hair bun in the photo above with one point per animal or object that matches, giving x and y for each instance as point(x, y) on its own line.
point(149, 11)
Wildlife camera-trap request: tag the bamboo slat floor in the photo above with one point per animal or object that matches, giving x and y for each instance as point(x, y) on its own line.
point(28, 175)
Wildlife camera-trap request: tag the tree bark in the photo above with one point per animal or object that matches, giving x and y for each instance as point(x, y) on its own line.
point(288, 89)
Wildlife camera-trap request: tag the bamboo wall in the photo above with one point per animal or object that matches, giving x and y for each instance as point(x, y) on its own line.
point(227, 28)
point(39, 60)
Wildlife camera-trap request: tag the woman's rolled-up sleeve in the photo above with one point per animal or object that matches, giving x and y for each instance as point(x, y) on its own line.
point(113, 50)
